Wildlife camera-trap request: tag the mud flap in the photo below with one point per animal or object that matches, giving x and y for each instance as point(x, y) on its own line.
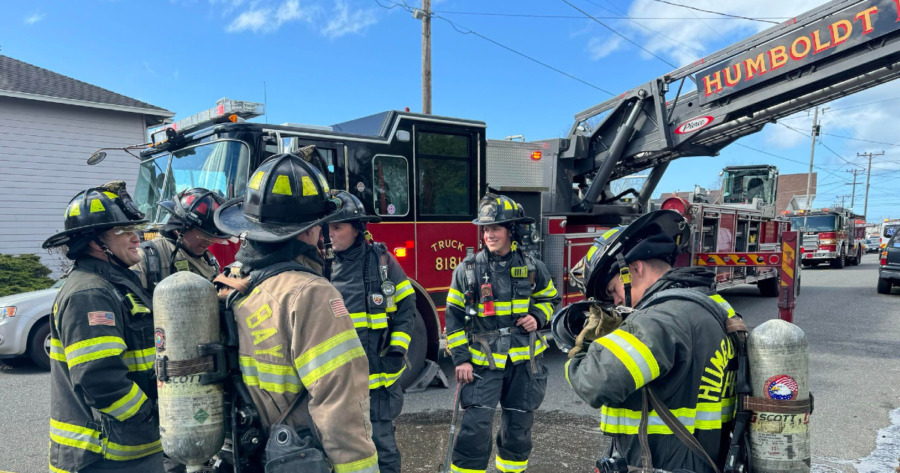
point(430, 375)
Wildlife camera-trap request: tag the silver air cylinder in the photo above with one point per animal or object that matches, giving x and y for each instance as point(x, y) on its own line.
point(779, 371)
point(185, 315)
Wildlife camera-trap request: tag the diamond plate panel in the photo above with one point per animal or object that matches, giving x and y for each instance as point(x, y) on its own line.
point(509, 164)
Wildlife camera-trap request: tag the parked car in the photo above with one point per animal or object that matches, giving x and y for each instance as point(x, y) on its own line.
point(873, 245)
point(25, 324)
point(889, 271)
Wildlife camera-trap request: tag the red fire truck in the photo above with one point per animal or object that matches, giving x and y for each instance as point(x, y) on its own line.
point(831, 236)
point(423, 174)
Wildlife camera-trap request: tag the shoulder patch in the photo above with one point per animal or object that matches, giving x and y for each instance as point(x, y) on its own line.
point(102, 318)
point(338, 308)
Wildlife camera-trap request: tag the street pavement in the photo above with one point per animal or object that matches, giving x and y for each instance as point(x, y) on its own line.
point(853, 334)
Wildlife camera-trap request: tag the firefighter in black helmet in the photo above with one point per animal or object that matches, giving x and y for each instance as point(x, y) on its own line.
point(102, 384)
point(382, 304)
point(300, 356)
point(184, 240)
point(507, 295)
point(672, 346)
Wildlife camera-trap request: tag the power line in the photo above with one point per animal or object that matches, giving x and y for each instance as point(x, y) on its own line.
point(860, 139)
point(656, 33)
point(821, 143)
point(575, 17)
point(717, 13)
point(619, 34)
point(791, 160)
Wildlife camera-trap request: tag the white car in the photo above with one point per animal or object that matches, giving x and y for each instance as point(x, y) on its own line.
point(25, 324)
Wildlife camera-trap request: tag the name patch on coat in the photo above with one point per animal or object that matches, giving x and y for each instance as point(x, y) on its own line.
point(102, 318)
point(338, 308)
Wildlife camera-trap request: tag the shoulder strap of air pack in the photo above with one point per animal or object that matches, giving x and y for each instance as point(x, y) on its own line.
point(154, 265)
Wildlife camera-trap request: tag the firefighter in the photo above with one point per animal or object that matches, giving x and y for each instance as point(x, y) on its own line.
point(507, 295)
point(382, 304)
point(184, 240)
point(295, 333)
point(674, 344)
point(102, 387)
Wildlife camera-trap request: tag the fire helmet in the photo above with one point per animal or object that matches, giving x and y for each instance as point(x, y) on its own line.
point(497, 209)
point(661, 234)
point(352, 211)
point(194, 208)
point(286, 196)
point(94, 211)
point(568, 323)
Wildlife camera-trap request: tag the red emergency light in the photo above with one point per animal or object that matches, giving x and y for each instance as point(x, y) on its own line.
point(400, 252)
point(536, 155)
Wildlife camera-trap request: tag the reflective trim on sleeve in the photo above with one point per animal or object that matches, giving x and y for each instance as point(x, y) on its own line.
point(400, 339)
point(75, 436)
point(456, 298)
point(457, 469)
point(566, 371)
point(510, 465)
point(94, 349)
point(723, 304)
point(115, 451)
point(57, 352)
point(140, 360)
point(549, 291)
point(328, 356)
point(637, 358)
point(269, 377)
point(359, 320)
point(456, 339)
point(128, 405)
point(377, 321)
point(546, 308)
point(366, 465)
point(403, 290)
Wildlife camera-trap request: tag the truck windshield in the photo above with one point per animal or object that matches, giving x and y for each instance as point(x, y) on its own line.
point(220, 166)
point(818, 223)
point(741, 186)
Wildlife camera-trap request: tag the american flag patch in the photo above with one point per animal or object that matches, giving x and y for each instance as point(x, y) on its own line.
point(102, 318)
point(338, 309)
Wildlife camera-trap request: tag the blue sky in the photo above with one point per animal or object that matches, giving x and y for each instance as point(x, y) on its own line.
point(323, 62)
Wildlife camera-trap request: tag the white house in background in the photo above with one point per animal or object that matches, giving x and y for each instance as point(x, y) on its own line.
point(49, 125)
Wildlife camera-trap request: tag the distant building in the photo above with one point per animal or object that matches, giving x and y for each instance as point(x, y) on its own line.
point(49, 125)
point(790, 185)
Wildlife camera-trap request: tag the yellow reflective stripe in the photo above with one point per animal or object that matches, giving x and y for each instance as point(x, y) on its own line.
point(56, 350)
point(724, 304)
point(140, 360)
point(546, 308)
point(637, 358)
point(94, 349)
point(500, 308)
point(590, 253)
point(566, 371)
point(464, 470)
point(403, 289)
point(75, 436)
point(359, 320)
point(127, 405)
point(328, 356)
point(58, 470)
point(480, 358)
point(618, 420)
point(269, 377)
point(456, 298)
point(520, 306)
point(549, 291)
point(456, 339)
point(510, 465)
point(378, 380)
point(377, 321)
point(400, 339)
point(366, 465)
point(524, 353)
point(115, 451)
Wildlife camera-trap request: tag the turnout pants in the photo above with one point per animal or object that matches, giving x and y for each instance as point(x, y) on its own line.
point(519, 392)
point(385, 405)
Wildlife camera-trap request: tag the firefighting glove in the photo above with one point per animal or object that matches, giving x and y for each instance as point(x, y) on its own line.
point(599, 323)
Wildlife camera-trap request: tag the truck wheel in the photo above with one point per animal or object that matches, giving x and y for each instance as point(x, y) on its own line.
point(768, 287)
point(840, 261)
point(884, 287)
point(858, 258)
point(418, 347)
point(39, 345)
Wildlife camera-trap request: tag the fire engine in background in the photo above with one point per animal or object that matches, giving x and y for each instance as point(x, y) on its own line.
point(743, 224)
point(888, 229)
point(833, 236)
point(423, 174)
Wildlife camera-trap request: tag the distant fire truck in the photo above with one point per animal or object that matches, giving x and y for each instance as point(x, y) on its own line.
point(888, 229)
point(424, 174)
point(833, 236)
point(742, 225)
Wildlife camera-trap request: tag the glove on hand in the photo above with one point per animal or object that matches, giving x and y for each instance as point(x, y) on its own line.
point(599, 323)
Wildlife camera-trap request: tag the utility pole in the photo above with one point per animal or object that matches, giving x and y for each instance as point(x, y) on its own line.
point(842, 199)
point(853, 193)
point(868, 175)
point(425, 15)
point(812, 152)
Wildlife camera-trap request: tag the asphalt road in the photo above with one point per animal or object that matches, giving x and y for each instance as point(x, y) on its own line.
point(853, 334)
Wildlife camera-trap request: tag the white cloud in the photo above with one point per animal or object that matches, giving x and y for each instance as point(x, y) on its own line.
point(34, 18)
point(267, 19)
point(346, 21)
point(599, 47)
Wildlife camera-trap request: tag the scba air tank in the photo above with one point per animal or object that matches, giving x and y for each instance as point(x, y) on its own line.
point(779, 371)
point(185, 316)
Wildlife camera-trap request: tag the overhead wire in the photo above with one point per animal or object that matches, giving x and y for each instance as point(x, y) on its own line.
point(671, 40)
point(570, 17)
point(717, 13)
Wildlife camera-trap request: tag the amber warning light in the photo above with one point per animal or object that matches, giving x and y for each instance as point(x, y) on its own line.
point(536, 155)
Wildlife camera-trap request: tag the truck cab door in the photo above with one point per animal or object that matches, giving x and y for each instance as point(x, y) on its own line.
point(332, 152)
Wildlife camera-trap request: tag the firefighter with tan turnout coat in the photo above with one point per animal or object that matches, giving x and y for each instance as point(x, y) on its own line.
point(299, 354)
point(382, 304)
point(498, 299)
point(102, 384)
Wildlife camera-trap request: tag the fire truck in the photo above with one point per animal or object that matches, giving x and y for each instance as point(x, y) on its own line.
point(741, 223)
point(889, 228)
point(833, 236)
point(423, 174)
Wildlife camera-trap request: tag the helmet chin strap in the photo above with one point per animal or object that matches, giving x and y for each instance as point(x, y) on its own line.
point(625, 277)
point(110, 256)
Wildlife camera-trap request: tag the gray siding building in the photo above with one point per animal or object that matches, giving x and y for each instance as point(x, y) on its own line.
point(49, 125)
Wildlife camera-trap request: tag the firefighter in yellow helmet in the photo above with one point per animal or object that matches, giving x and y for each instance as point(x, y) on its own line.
point(300, 356)
point(102, 384)
point(507, 295)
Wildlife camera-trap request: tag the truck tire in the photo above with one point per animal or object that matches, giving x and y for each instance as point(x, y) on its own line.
point(858, 258)
point(840, 261)
point(884, 287)
point(418, 348)
point(39, 345)
point(768, 287)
